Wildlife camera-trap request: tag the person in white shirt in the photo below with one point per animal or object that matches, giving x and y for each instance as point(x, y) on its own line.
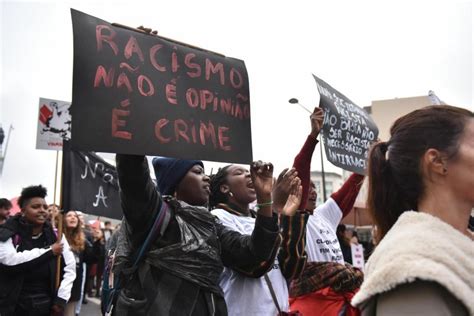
point(232, 192)
point(327, 284)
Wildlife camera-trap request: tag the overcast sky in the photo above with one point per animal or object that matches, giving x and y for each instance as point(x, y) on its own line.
point(367, 50)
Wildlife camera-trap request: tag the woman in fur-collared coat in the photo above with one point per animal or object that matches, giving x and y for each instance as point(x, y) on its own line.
point(421, 195)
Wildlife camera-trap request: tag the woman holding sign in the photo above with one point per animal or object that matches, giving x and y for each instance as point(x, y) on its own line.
point(420, 196)
point(179, 274)
point(326, 284)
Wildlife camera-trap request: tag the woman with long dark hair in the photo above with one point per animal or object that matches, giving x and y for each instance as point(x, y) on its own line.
point(420, 196)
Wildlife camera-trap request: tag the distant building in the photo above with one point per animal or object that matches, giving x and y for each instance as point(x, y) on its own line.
point(385, 112)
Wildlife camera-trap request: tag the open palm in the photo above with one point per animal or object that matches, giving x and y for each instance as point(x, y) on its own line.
point(294, 199)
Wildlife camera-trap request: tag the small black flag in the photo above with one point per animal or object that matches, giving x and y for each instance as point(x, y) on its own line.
point(89, 184)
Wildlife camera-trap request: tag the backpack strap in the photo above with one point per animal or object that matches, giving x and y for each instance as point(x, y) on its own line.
point(272, 292)
point(162, 220)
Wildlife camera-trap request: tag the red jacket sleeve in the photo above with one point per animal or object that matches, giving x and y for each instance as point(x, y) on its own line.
point(302, 164)
point(346, 195)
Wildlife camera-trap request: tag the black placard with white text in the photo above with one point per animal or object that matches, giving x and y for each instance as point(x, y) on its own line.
point(348, 130)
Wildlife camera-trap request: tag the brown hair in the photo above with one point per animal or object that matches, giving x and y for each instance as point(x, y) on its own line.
point(394, 170)
point(75, 236)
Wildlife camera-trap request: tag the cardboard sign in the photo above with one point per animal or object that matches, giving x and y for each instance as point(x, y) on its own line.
point(358, 256)
point(89, 184)
point(348, 130)
point(141, 94)
point(54, 124)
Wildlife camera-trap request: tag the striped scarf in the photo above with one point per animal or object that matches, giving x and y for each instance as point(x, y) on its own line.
point(318, 275)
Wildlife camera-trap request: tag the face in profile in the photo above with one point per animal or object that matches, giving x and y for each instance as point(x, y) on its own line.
point(312, 196)
point(4, 213)
point(35, 211)
point(194, 188)
point(460, 169)
point(240, 184)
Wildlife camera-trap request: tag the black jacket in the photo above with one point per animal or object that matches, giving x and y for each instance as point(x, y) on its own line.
point(11, 277)
point(92, 253)
point(180, 273)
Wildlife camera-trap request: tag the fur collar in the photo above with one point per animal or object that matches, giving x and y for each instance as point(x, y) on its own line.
point(421, 246)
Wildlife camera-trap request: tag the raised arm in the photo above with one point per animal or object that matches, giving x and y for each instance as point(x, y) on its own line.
point(292, 255)
point(345, 197)
point(140, 198)
point(302, 162)
point(251, 255)
point(254, 255)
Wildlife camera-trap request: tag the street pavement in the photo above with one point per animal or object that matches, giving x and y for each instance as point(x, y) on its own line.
point(92, 308)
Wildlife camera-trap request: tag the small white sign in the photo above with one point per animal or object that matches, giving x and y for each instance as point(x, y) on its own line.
point(358, 256)
point(54, 124)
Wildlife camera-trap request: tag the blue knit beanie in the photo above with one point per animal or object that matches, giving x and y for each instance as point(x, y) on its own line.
point(170, 171)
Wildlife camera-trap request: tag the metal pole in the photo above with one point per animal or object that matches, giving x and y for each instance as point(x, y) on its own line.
point(295, 101)
point(322, 167)
point(8, 140)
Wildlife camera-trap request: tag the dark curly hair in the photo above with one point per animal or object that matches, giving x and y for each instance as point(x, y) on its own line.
point(217, 180)
point(31, 192)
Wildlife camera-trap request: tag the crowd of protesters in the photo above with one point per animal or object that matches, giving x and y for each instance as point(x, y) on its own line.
point(241, 242)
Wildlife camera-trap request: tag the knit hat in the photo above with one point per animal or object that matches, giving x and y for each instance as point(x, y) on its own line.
point(170, 171)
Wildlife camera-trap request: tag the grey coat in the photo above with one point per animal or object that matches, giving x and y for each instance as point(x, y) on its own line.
point(416, 298)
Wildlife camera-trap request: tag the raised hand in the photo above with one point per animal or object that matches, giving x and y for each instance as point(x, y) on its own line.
point(262, 178)
point(294, 199)
point(282, 188)
point(316, 118)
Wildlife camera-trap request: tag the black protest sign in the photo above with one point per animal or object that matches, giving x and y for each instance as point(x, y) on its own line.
point(89, 184)
point(348, 130)
point(136, 93)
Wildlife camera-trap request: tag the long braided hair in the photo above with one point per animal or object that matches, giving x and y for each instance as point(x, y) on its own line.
point(217, 180)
